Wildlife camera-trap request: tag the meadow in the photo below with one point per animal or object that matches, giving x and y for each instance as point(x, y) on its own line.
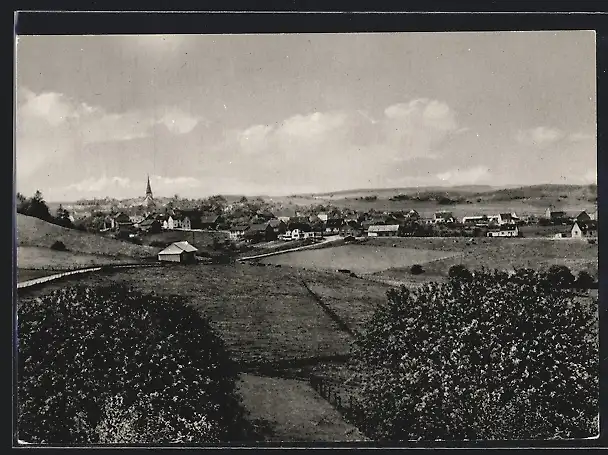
point(32, 232)
point(33, 257)
point(264, 314)
point(360, 259)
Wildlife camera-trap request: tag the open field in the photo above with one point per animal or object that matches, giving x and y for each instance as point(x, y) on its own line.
point(33, 257)
point(30, 274)
point(33, 232)
point(293, 410)
point(263, 313)
point(358, 258)
point(505, 254)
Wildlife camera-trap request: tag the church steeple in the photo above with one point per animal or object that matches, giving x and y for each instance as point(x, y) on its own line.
point(149, 189)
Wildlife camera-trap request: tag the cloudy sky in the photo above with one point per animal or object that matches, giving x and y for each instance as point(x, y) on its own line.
point(281, 114)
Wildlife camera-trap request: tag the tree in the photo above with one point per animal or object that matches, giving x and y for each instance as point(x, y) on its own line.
point(560, 276)
point(21, 203)
point(459, 272)
point(62, 217)
point(584, 280)
point(109, 364)
point(37, 207)
point(494, 357)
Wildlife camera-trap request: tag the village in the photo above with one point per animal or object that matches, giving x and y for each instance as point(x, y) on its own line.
point(266, 226)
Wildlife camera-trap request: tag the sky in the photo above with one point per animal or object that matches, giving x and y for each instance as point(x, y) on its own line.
point(298, 113)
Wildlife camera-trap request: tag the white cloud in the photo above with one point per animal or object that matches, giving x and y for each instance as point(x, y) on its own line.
point(313, 124)
point(176, 183)
point(254, 139)
point(179, 122)
point(96, 185)
point(540, 136)
point(464, 176)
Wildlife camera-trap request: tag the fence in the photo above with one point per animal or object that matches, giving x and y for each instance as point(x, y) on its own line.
point(56, 276)
point(343, 401)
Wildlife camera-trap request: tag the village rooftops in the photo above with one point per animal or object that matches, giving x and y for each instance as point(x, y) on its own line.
point(589, 225)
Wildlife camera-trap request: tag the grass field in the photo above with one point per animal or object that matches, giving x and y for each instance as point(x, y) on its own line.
point(504, 254)
point(358, 258)
point(32, 232)
point(263, 313)
point(33, 257)
point(294, 411)
point(30, 274)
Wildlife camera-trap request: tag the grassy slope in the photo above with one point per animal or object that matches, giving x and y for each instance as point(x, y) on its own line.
point(34, 232)
point(34, 257)
point(263, 313)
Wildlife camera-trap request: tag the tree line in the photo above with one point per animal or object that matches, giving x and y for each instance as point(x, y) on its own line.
point(37, 207)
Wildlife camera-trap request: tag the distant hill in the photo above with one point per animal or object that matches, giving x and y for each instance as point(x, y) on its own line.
point(473, 193)
point(35, 232)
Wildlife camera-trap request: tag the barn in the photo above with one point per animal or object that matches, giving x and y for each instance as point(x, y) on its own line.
point(181, 252)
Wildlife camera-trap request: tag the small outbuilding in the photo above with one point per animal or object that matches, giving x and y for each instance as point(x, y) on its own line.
point(181, 252)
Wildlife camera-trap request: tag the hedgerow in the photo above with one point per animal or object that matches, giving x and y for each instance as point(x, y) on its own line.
point(485, 356)
point(111, 365)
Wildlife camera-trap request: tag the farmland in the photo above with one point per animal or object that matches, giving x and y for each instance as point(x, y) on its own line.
point(33, 257)
point(263, 313)
point(358, 258)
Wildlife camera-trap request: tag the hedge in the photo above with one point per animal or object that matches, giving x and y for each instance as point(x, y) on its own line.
point(108, 364)
point(485, 356)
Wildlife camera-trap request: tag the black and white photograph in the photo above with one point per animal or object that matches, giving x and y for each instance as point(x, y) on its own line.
point(306, 238)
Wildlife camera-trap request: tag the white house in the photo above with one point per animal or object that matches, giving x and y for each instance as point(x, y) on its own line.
point(443, 217)
point(506, 230)
point(584, 229)
point(237, 232)
point(323, 216)
point(173, 222)
point(381, 230)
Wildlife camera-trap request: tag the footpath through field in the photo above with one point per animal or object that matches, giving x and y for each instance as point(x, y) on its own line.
point(291, 410)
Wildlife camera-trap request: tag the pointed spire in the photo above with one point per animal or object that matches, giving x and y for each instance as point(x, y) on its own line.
point(148, 188)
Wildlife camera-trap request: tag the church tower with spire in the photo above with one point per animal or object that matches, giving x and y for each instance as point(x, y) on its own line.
point(149, 199)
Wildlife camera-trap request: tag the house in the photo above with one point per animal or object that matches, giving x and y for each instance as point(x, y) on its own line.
point(181, 252)
point(583, 216)
point(298, 223)
point(323, 216)
point(413, 215)
point(333, 225)
point(260, 232)
point(186, 223)
point(556, 216)
point(506, 230)
point(108, 223)
point(173, 222)
point(387, 230)
point(507, 218)
point(443, 217)
point(584, 229)
point(284, 219)
point(278, 226)
point(150, 226)
point(238, 231)
point(210, 221)
point(477, 220)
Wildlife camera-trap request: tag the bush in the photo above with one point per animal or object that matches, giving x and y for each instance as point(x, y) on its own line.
point(459, 272)
point(58, 246)
point(584, 280)
point(497, 357)
point(100, 365)
point(560, 276)
point(416, 269)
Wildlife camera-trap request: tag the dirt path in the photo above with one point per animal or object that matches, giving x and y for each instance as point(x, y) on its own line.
point(290, 410)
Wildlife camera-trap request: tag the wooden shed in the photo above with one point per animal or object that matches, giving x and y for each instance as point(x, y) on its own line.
point(181, 252)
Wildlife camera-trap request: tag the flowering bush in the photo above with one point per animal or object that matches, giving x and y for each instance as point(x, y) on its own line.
point(114, 365)
point(488, 356)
